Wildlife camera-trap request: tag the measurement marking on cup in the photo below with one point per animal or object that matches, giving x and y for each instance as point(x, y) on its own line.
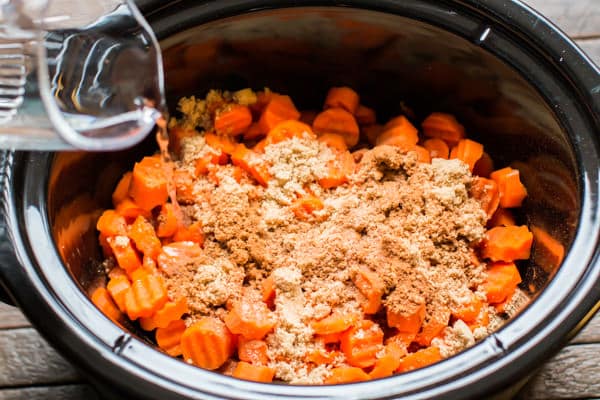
point(120, 343)
point(484, 35)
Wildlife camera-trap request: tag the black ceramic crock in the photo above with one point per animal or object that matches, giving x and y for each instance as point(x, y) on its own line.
point(519, 85)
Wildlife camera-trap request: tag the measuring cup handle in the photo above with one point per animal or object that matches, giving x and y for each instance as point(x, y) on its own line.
point(9, 264)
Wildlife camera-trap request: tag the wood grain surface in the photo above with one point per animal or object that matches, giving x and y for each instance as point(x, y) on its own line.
point(30, 369)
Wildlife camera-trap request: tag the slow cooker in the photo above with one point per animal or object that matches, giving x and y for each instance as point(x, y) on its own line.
point(519, 85)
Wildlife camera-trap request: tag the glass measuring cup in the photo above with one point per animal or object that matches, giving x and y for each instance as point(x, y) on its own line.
point(77, 75)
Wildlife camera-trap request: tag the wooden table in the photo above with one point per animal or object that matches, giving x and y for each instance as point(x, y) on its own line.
point(31, 369)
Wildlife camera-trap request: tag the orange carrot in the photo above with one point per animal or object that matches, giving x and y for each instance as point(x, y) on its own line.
point(420, 359)
point(329, 338)
point(146, 295)
point(512, 191)
point(169, 338)
point(370, 285)
point(176, 255)
point(101, 299)
point(167, 221)
point(437, 148)
point(507, 243)
point(253, 351)
point(118, 286)
point(365, 115)
point(388, 362)
point(144, 237)
point(342, 97)
point(321, 356)
point(338, 171)
point(207, 343)
point(433, 328)
point(130, 210)
point(279, 108)
point(222, 144)
point(148, 186)
point(484, 166)
point(111, 223)
point(468, 151)
point(346, 375)
point(399, 132)
point(468, 312)
point(184, 186)
point(127, 257)
point(304, 207)
point(485, 191)
point(249, 317)
point(249, 161)
point(401, 339)
point(502, 217)
point(334, 323)
point(234, 120)
point(340, 121)
point(122, 190)
point(254, 132)
point(501, 281)
point(422, 154)
point(549, 252)
point(334, 140)
point(268, 290)
point(443, 126)
point(288, 129)
point(361, 343)
point(372, 132)
point(251, 372)
point(190, 233)
point(171, 311)
point(409, 322)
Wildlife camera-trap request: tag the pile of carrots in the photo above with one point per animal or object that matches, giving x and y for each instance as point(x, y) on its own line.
point(145, 235)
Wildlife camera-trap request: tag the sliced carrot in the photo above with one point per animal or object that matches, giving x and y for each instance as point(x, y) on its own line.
point(443, 126)
point(122, 190)
point(468, 151)
point(184, 186)
point(171, 311)
point(117, 286)
point(484, 166)
point(144, 237)
point(409, 322)
point(146, 295)
point(433, 328)
point(268, 291)
point(365, 115)
point(169, 338)
point(334, 323)
point(437, 148)
point(254, 132)
point(340, 121)
point(420, 359)
point(346, 375)
point(549, 252)
point(106, 250)
point(112, 223)
point(321, 356)
point(253, 351)
point(279, 108)
point(482, 320)
point(203, 165)
point(502, 217)
point(190, 233)
point(501, 281)
point(485, 191)
point(370, 285)
point(101, 299)
point(334, 140)
point(127, 257)
point(422, 154)
point(507, 243)
point(251, 372)
point(388, 362)
point(401, 339)
point(223, 144)
point(130, 210)
point(468, 312)
point(329, 338)
point(234, 120)
point(339, 171)
point(250, 318)
point(262, 99)
point(250, 162)
point(174, 256)
point(361, 343)
point(167, 221)
point(148, 186)
point(342, 97)
point(207, 343)
point(399, 132)
point(372, 132)
point(512, 191)
point(288, 129)
point(304, 207)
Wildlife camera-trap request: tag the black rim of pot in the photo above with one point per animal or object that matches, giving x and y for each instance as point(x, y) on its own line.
point(34, 275)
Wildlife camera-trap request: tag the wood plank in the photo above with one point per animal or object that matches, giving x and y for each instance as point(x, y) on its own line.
point(571, 374)
point(591, 332)
point(11, 317)
point(26, 359)
point(591, 48)
point(66, 392)
point(577, 18)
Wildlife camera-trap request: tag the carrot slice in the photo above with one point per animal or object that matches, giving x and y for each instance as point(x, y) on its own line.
point(146, 295)
point(253, 351)
point(329, 338)
point(254, 132)
point(176, 255)
point(268, 291)
point(370, 285)
point(484, 166)
point(207, 343)
point(340, 121)
point(169, 338)
point(122, 190)
point(321, 356)
point(512, 191)
point(468, 151)
point(549, 252)
point(422, 154)
point(101, 299)
point(251, 372)
point(144, 236)
point(501, 281)
point(502, 217)
point(485, 191)
point(167, 221)
point(127, 257)
point(401, 339)
point(361, 343)
point(111, 223)
point(443, 126)
point(333, 323)
point(148, 186)
point(233, 120)
point(399, 132)
point(130, 210)
point(338, 171)
point(250, 318)
point(346, 375)
point(288, 129)
point(507, 243)
point(304, 207)
point(437, 148)
point(171, 311)
point(190, 233)
point(278, 109)
point(365, 115)
point(222, 144)
point(433, 328)
point(250, 162)
point(469, 312)
point(334, 140)
point(117, 287)
point(388, 362)
point(342, 97)
point(409, 322)
point(419, 359)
